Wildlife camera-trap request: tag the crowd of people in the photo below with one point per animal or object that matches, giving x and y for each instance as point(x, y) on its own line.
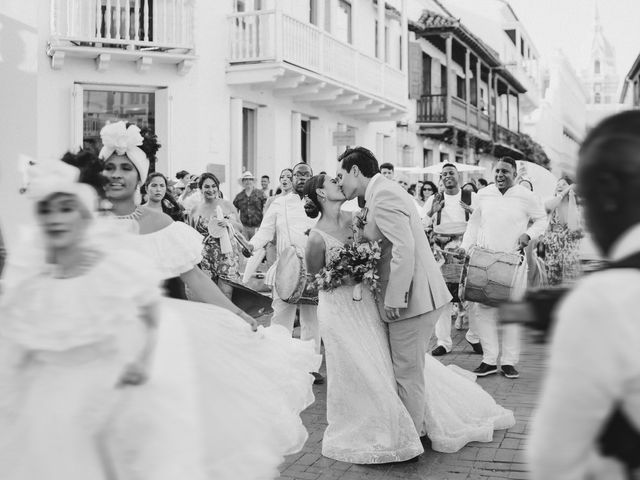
point(131, 380)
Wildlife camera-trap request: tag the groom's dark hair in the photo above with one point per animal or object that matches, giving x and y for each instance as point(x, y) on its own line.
point(363, 158)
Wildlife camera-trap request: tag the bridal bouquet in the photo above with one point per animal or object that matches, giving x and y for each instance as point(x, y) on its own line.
point(351, 263)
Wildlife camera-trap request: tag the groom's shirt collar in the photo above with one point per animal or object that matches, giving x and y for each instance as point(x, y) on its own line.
point(367, 191)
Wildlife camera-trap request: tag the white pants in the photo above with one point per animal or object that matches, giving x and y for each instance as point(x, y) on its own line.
point(443, 327)
point(285, 314)
point(487, 328)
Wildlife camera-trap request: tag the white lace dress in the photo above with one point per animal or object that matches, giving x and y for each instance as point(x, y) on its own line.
point(64, 344)
point(222, 402)
point(367, 421)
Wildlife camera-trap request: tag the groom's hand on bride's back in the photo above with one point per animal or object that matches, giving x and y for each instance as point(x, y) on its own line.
point(392, 313)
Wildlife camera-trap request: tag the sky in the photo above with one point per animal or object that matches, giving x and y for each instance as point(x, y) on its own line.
point(568, 25)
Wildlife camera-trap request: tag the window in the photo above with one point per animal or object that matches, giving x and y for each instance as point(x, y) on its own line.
point(597, 98)
point(387, 46)
point(305, 140)
point(313, 11)
point(248, 139)
point(427, 157)
point(343, 22)
point(327, 15)
point(444, 157)
point(103, 106)
point(596, 67)
point(444, 84)
point(461, 90)
point(426, 74)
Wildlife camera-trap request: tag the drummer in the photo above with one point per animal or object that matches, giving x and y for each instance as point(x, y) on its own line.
point(507, 216)
point(287, 219)
point(449, 212)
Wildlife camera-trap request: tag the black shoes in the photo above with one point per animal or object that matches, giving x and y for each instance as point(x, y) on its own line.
point(317, 378)
point(484, 369)
point(477, 347)
point(439, 351)
point(509, 371)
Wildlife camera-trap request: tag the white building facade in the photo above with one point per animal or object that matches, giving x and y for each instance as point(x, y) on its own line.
point(227, 86)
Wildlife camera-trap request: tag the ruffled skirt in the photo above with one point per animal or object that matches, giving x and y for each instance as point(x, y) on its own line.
point(222, 401)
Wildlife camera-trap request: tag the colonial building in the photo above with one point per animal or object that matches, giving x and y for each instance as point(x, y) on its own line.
point(600, 77)
point(465, 104)
point(227, 86)
point(559, 123)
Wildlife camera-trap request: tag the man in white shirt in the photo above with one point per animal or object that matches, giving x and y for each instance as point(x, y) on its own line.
point(287, 219)
point(447, 211)
point(500, 222)
point(594, 365)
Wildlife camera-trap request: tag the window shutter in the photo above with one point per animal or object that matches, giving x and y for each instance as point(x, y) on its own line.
point(415, 70)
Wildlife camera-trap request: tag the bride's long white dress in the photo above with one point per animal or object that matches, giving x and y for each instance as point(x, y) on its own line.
point(367, 421)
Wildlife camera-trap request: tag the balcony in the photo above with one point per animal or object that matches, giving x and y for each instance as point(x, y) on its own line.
point(141, 31)
point(299, 60)
point(432, 109)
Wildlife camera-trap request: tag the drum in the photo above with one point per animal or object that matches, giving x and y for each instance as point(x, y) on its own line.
point(488, 277)
point(290, 280)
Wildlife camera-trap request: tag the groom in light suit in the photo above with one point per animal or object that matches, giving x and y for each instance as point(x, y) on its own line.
point(413, 292)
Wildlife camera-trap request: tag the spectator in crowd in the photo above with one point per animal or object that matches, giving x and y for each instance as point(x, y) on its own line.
point(506, 218)
point(471, 187)
point(387, 170)
point(183, 179)
point(264, 183)
point(160, 199)
point(591, 394)
point(212, 218)
point(450, 210)
point(428, 189)
point(191, 196)
point(250, 203)
point(286, 186)
point(561, 241)
point(412, 190)
point(287, 220)
point(482, 183)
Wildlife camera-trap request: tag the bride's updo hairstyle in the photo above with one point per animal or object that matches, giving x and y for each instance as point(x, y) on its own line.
point(312, 205)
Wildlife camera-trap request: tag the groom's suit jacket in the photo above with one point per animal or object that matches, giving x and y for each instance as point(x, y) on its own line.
point(410, 278)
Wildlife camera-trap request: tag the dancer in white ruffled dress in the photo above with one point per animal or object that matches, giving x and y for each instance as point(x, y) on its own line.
point(72, 335)
point(222, 402)
point(367, 421)
point(219, 400)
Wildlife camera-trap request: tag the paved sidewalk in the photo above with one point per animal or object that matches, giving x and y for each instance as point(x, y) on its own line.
point(502, 458)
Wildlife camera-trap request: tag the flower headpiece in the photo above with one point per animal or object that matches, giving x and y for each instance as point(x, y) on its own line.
point(50, 177)
point(117, 138)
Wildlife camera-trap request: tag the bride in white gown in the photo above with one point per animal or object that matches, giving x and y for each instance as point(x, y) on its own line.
point(367, 421)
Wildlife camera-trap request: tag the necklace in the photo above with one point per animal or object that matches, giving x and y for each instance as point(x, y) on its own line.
point(135, 215)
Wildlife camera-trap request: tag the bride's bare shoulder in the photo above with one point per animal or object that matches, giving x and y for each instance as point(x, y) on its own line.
point(153, 220)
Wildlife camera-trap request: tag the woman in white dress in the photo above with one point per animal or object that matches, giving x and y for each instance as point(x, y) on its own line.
point(72, 335)
point(221, 401)
point(367, 421)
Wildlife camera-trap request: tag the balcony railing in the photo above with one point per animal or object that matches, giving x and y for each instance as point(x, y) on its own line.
point(432, 109)
point(273, 36)
point(158, 25)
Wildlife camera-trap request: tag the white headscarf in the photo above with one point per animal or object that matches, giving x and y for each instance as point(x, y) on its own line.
point(117, 138)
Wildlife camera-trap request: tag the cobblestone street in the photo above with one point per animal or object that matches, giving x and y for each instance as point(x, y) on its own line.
point(502, 458)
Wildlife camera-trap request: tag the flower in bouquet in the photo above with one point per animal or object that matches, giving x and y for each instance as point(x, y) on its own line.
point(351, 263)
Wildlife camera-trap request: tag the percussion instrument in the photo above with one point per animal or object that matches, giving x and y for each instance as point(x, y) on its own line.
point(290, 280)
point(488, 277)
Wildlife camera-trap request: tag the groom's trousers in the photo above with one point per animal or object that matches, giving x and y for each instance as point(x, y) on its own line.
point(408, 340)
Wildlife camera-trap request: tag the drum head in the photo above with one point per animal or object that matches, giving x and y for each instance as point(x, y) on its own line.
point(290, 275)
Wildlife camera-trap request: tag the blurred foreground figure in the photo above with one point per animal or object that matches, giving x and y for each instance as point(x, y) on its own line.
point(589, 412)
